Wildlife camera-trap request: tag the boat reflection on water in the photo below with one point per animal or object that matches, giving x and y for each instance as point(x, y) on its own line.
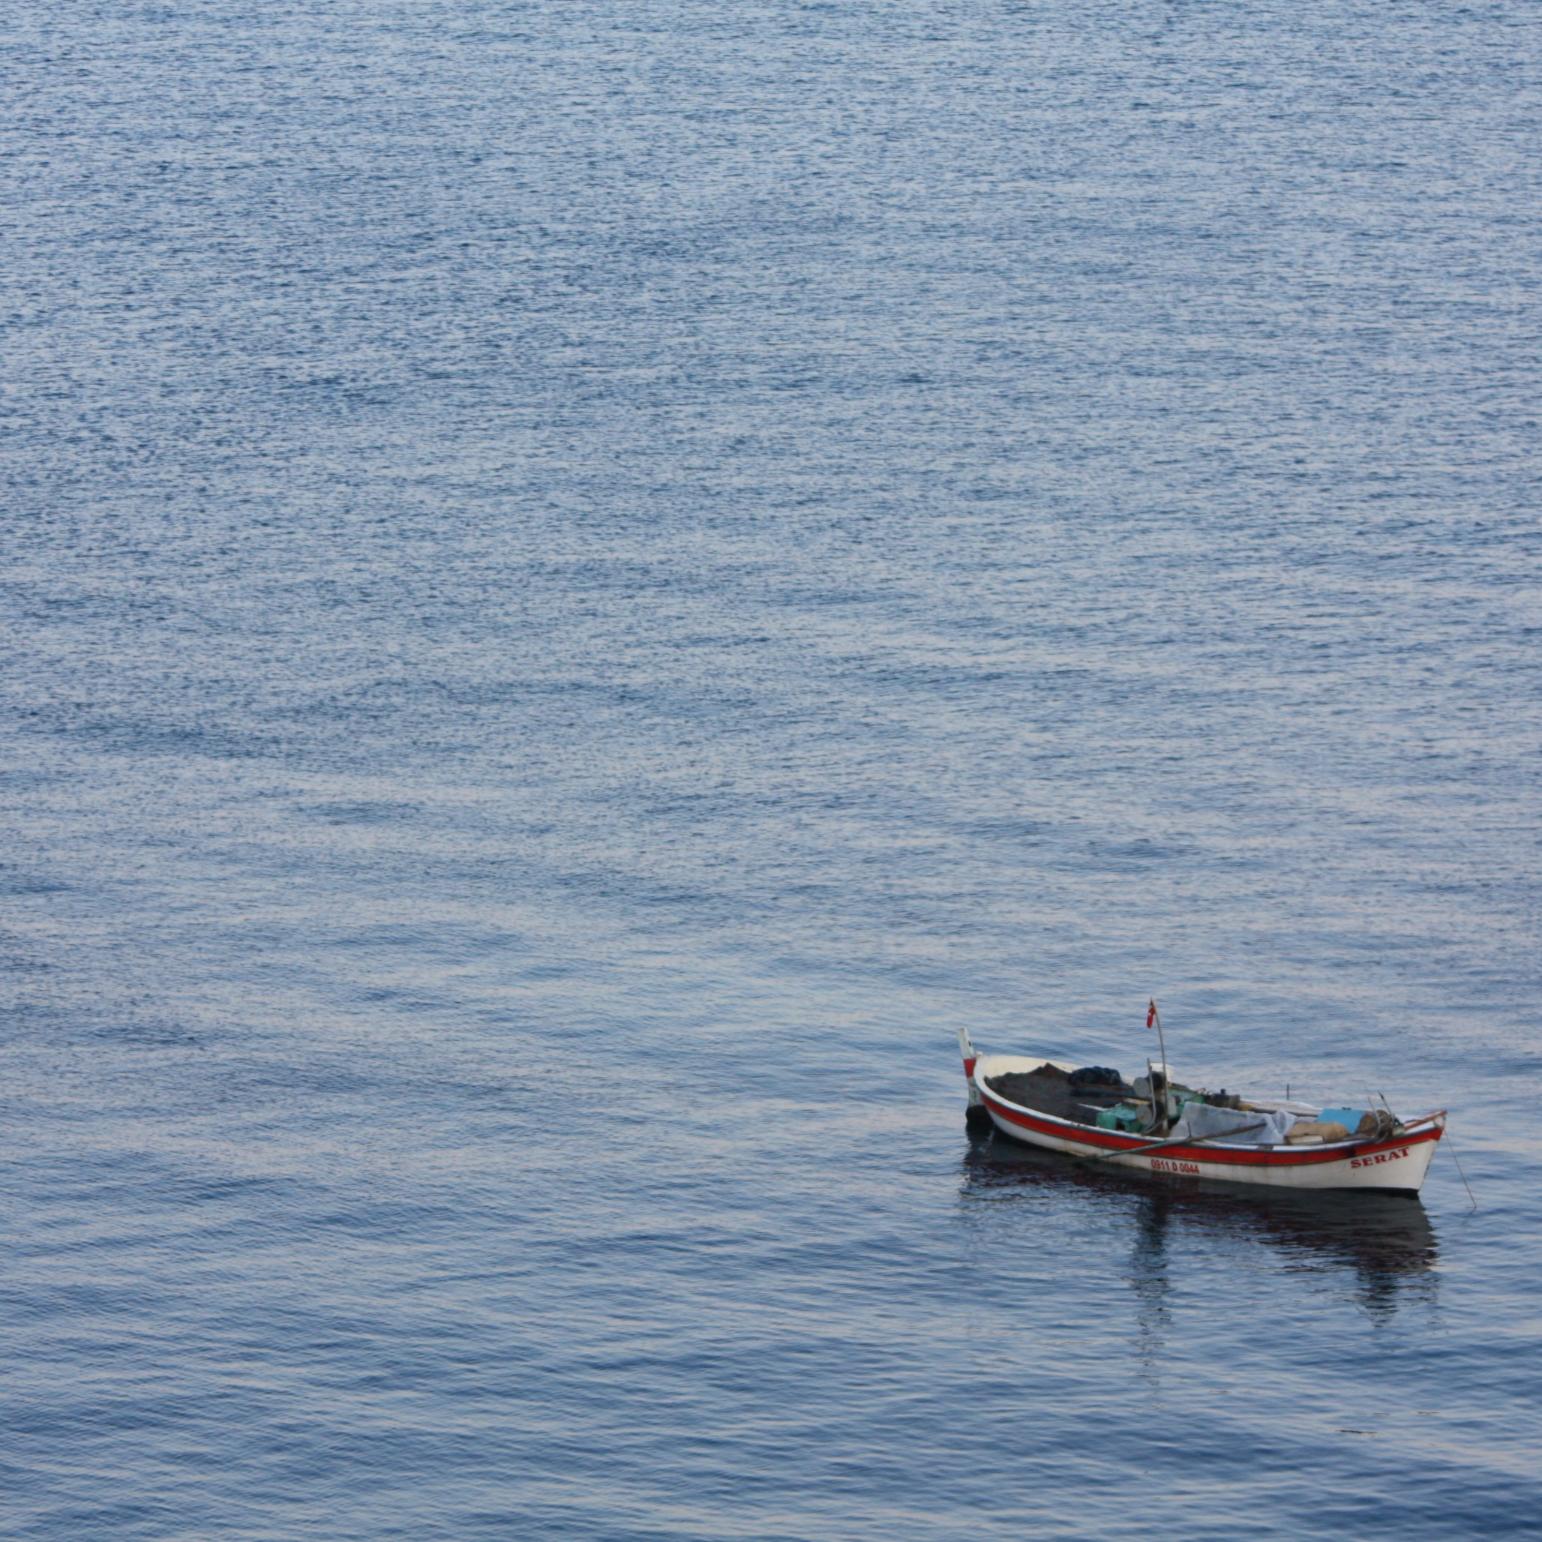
point(1385, 1239)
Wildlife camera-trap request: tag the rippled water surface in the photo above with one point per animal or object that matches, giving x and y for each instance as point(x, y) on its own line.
point(582, 584)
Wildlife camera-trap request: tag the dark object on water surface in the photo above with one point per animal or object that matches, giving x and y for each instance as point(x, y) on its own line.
point(976, 1120)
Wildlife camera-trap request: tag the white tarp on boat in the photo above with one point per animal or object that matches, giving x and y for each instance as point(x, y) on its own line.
point(1201, 1119)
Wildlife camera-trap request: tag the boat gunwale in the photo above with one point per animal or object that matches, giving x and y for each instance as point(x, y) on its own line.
point(1426, 1127)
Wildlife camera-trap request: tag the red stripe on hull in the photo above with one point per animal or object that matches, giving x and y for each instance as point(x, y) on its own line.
point(1106, 1140)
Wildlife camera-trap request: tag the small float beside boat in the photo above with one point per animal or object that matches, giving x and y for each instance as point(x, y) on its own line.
point(1156, 1124)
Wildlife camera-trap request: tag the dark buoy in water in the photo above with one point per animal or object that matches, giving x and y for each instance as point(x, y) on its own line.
point(976, 1120)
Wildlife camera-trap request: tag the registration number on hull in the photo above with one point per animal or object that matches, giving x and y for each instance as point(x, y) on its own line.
point(1164, 1165)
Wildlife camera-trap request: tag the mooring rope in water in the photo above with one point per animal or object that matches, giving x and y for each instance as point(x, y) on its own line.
point(1455, 1158)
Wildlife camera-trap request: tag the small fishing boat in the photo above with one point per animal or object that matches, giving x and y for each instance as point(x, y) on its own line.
point(1156, 1124)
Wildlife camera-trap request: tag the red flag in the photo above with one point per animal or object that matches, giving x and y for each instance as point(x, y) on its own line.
point(1151, 1015)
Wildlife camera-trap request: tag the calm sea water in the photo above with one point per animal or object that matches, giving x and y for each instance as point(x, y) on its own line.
point(582, 583)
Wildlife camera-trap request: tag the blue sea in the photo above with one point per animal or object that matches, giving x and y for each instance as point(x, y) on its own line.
point(582, 584)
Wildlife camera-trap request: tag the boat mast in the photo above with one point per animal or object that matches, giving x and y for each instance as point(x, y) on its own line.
point(1154, 1019)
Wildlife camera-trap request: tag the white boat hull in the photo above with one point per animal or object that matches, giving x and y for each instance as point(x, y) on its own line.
point(1396, 1164)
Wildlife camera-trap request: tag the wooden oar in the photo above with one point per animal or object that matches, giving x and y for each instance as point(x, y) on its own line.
point(1176, 1140)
